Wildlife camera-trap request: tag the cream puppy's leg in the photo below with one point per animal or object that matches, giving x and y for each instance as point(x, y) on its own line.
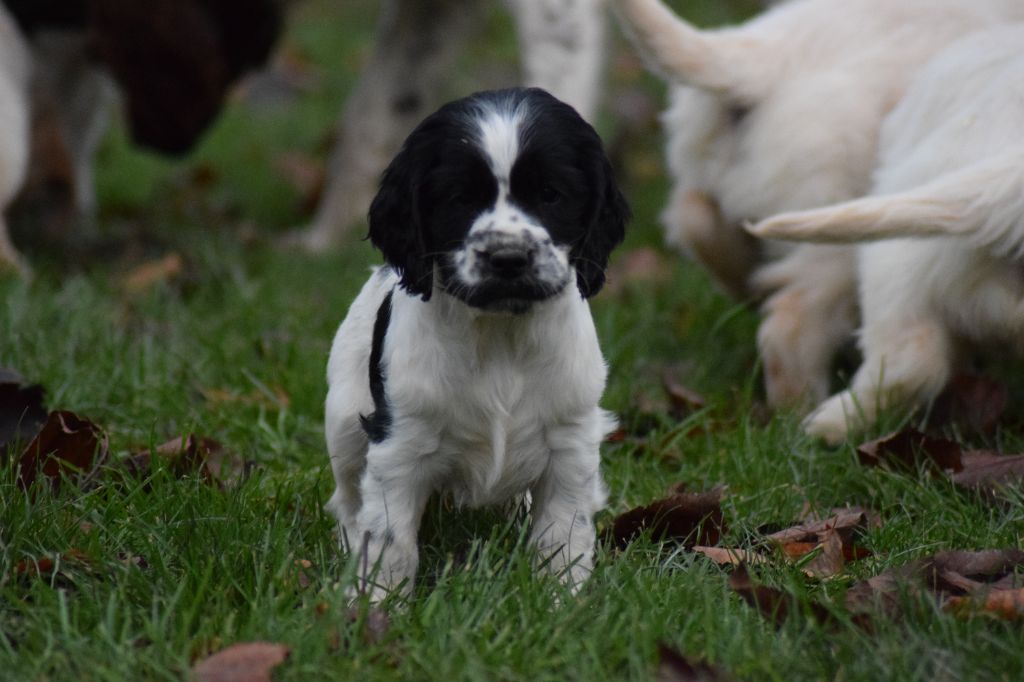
point(811, 313)
point(906, 340)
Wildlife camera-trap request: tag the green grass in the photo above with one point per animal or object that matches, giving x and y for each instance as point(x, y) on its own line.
point(177, 568)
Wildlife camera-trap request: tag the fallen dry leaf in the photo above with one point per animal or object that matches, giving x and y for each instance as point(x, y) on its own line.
point(775, 605)
point(151, 273)
point(687, 518)
point(640, 266)
point(980, 470)
point(48, 565)
point(730, 556)
point(191, 454)
point(909, 447)
point(674, 667)
point(66, 444)
point(973, 400)
point(242, 662)
point(305, 174)
point(21, 410)
point(1006, 604)
point(683, 400)
point(944, 575)
point(989, 472)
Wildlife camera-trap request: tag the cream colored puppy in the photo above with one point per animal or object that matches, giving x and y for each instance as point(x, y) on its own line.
point(782, 113)
point(948, 207)
point(14, 122)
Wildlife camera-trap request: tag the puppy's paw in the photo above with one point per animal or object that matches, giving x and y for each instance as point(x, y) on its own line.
point(831, 422)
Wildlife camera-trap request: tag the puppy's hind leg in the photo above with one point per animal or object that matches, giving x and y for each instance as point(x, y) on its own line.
point(905, 362)
point(811, 314)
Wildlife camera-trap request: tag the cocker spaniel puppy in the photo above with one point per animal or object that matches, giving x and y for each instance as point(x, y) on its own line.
point(948, 209)
point(782, 113)
point(469, 363)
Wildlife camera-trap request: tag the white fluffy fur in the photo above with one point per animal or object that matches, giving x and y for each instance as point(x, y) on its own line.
point(484, 405)
point(782, 113)
point(950, 191)
point(14, 123)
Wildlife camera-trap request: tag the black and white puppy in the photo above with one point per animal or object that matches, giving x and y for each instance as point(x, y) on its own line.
point(470, 363)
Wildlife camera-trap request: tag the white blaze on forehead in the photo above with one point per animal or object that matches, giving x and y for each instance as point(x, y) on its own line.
point(499, 129)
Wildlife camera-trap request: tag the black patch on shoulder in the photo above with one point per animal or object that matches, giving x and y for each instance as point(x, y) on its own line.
point(378, 424)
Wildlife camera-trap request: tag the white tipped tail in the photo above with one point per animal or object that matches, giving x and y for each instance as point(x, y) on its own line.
point(722, 63)
point(984, 203)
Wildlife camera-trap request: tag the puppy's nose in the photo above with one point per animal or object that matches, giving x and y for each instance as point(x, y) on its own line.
point(509, 262)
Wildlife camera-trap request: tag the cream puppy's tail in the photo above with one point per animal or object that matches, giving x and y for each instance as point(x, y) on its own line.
point(984, 203)
point(724, 62)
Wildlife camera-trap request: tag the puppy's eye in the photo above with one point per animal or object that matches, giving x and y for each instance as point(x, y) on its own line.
point(550, 195)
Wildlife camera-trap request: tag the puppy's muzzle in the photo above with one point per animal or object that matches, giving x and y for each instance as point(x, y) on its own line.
point(507, 261)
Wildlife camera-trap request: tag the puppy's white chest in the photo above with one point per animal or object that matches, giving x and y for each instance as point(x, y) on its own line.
point(495, 446)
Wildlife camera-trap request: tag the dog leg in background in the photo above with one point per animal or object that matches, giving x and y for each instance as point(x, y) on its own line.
point(811, 312)
point(906, 361)
point(562, 43)
point(15, 67)
point(417, 41)
point(82, 96)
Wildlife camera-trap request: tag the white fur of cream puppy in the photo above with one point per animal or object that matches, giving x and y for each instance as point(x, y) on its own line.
point(470, 363)
point(782, 113)
point(15, 68)
point(948, 208)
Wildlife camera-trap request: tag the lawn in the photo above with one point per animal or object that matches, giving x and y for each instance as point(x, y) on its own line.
point(139, 576)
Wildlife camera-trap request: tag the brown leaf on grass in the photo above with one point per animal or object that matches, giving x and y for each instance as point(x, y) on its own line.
point(274, 397)
point(973, 400)
point(1006, 604)
point(49, 565)
point(980, 470)
point(906, 448)
point(640, 266)
point(21, 410)
point(989, 472)
point(687, 518)
point(242, 662)
point(944, 575)
point(730, 556)
point(674, 667)
point(191, 454)
point(835, 536)
point(305, 174)
point(775, 605)
point(683, 400)
point(144, 277)
point(65, 444)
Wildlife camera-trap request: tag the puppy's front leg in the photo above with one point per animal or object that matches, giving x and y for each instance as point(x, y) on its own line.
point(565, 500)
point(394, 491)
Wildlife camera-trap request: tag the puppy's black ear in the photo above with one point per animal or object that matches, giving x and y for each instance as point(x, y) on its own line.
point(396, 227)
point(606, 231)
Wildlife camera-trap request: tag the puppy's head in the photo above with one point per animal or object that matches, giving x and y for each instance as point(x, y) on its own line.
point(504, 197)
